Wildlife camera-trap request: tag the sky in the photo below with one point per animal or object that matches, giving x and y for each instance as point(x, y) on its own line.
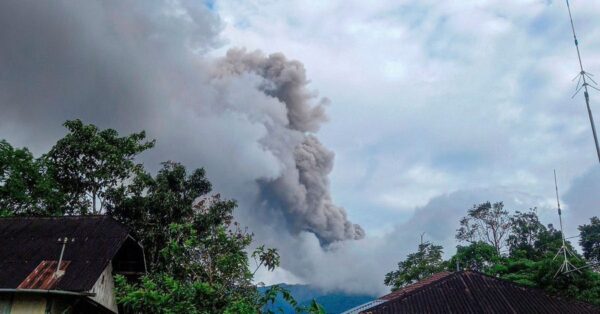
point(345, 129)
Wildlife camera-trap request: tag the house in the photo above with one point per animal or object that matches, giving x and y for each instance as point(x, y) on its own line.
point(470, 292)
point(64, 264)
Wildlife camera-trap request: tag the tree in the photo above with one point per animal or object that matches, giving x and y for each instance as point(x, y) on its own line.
point(88, 162)
point(590, 240)
point(531, 261)
point(417, 266)
point(478, 256)
point(485, 222)
point(190, 239)
point(525, 232)
point(197, 253)
point(25, 187)
point(151, 204)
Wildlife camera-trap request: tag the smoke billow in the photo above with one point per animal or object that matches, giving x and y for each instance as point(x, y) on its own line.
point(302, 189)
point(248, 118)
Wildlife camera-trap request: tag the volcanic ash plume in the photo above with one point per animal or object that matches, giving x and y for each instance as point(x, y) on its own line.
point(301, 191)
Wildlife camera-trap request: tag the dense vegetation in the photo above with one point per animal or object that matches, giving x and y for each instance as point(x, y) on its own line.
point(515, 247)
point(195, 250)
point(197, 253)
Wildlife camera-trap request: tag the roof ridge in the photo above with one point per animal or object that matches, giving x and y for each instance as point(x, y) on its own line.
point(427, 286)
point(70, 217)
point(400, 293)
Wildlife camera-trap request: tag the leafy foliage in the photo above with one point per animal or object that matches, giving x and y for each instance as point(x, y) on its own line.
point(485, 222)
point(417, 266)
point(88, 162)
point(25, 187)
point(525, 233)
point(590, 240)
point(195, 250)
point(530, 261)
point(478, 256)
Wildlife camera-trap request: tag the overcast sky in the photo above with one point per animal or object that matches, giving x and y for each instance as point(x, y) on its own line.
point(432, 106)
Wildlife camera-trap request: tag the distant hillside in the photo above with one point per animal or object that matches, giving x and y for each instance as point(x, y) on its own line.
point(334, 302)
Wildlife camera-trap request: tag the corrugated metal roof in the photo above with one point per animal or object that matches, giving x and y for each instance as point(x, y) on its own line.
point(44, 276)
point(26, 242)
point(472, 292)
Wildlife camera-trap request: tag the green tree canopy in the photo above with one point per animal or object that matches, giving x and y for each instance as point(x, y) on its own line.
point(526, 232)
point(197, 254)
point(478, 256)
point(531, 260)
point(417, 266)
point(25, 187)
point(590, 240)
point(486, 222)
point(88, 162)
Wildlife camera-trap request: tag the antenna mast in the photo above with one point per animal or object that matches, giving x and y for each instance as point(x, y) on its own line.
point(566, 266)
point(582, 83)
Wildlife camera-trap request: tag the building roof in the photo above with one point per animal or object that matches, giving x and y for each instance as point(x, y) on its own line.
point(473, 292)
point(427, 281)
point(30, 250)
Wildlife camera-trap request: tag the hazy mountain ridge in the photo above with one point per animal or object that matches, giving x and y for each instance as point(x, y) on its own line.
point(334, 302)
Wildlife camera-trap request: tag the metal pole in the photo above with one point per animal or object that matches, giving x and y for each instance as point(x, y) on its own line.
point(583, 75)
point(62, 251)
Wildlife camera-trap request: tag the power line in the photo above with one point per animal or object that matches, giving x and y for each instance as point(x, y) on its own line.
point(582, 82)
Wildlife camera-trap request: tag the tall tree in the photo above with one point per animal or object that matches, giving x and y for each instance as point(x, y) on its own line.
point(479, 256)
point(88, 162)
point(25, 187)
point(485, 222)
point(192, 243)
point(197, 253)
point(590, 240)
point(417, 266)
point(151, 204)
point(525, 232)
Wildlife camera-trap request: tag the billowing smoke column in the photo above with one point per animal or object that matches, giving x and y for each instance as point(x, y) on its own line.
point(246, 118)
point(301, 191)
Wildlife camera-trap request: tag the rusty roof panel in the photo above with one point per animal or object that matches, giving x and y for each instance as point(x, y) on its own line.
point(44, 276)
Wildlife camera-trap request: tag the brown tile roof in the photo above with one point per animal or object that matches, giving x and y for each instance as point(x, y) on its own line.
point(26, 242)
point(473, 292)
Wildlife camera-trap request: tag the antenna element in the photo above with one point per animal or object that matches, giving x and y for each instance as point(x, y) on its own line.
point(582, 83)
point(566, 266)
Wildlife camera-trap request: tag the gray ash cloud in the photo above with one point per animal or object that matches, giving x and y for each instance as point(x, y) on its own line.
point(249, 118)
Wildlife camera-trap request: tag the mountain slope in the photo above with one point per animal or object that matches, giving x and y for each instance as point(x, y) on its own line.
point(334, 302)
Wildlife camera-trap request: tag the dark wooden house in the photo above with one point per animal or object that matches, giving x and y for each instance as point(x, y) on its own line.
point(64, 264)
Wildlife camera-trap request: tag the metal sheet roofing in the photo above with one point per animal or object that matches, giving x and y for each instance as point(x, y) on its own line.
point(26, 242)
point(44, 276)
point(472, 292)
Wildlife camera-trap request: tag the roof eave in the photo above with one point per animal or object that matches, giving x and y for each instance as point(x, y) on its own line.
point(42, 291)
